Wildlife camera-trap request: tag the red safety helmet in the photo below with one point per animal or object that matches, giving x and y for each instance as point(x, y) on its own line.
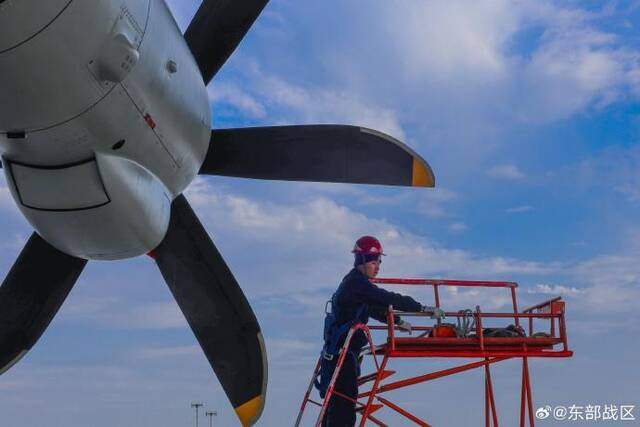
point(367, 245)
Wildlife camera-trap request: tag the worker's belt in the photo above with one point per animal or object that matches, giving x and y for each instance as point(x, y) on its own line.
point(328, 356)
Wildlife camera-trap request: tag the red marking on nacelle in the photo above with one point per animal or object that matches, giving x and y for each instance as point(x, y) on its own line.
point(149, 120)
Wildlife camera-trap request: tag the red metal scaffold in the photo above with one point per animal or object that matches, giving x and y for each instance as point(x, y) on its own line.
point(473, 345)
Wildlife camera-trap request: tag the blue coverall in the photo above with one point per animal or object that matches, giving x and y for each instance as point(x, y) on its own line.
point(355, 291)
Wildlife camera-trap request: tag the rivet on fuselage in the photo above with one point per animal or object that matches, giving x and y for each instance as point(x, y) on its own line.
point(172, 67)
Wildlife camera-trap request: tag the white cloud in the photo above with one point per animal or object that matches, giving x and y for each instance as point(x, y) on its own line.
point(163, 353)
point(6, 200)
point(448, 40)
point(603, 284)
point(574, 68)
point(458, 227)
point(506, 172)
point(572, 65)
point(269, 95)
point(165, 315)
point(112, 312)
point(631, 191)
point(5, 195)
point(14, 242)
point(555, 290)
point(489, 299)
point(614, 168)
point(519, 209)
point(315, 236)
point(227, 93)
point(433, 202)
point(288, 350)
point(471, 62)
point(436, 203)
point(322, 105)
point(81, 306)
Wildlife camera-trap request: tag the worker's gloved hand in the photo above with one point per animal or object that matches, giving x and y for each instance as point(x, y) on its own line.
point(436, 312)
point(404, 326)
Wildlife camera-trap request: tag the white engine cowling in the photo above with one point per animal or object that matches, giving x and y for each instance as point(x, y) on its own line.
point(104, 119)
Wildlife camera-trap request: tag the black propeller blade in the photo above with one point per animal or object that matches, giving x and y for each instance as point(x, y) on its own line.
point(217, 29)
point(31, 294)
point(216, 309)
point(325, 153)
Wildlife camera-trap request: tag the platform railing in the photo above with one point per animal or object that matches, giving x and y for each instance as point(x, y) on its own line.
point(436, 284)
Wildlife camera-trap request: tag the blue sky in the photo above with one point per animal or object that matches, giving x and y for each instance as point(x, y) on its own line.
point(528, 115)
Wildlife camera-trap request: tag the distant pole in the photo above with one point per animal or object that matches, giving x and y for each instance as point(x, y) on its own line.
point(211, 415)
point(197, 406)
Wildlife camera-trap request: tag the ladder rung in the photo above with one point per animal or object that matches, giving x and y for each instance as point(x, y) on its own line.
point(374, 408)
point(366, 378)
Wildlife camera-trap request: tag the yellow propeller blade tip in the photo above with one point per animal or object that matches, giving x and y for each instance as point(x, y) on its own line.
point(249, 411)
point(422, 175)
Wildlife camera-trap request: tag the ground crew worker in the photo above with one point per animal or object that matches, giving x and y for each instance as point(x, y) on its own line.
point(355, 300)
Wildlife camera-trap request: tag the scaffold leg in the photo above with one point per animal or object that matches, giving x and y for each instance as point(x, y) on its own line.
point(523, 395)
point(526, 399)
point(490, 403)
point(487, 421)
point(529, 393)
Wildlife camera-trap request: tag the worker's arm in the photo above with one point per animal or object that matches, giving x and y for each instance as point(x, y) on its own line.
point(379, 313)
point(378, 297)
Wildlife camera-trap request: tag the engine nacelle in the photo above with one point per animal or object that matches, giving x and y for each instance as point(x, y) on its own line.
point(102, 99)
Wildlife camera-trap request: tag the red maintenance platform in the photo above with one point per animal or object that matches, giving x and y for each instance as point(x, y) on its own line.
point(467, 339)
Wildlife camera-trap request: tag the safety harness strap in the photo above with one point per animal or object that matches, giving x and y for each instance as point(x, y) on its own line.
point(333, 334)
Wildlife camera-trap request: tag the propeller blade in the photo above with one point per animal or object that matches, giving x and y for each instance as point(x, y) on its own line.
point(324, 153)
point(31, 294)
point(217, 29)
point(216, 309)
